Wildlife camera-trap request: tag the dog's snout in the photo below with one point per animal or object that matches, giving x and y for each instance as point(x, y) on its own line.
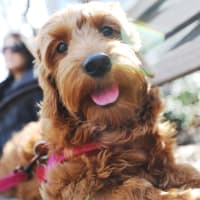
point(97, 64)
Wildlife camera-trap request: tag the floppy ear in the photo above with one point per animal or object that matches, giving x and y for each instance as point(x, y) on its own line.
point(152, 107)
point(49, 105)
point(154, 100)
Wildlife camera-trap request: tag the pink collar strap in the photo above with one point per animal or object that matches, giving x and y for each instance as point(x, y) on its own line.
point(64, 156)
point(20, 174)
point(23, 174)
point(13, 179)
point(70, 153)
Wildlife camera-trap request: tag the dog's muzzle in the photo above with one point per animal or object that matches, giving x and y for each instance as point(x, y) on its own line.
point(97, 64)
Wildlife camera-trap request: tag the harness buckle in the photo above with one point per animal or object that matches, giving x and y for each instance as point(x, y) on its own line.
point(40, 157)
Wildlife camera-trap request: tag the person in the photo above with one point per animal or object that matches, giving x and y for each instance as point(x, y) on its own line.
point(19, 93)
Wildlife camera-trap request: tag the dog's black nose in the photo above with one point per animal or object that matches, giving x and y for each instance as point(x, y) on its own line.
point(97, 64)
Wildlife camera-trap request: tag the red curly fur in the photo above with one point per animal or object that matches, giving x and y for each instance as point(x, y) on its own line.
point(136, 161)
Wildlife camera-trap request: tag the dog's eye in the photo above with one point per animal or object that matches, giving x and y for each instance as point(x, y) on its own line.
point(107, 31)
point(61, 47)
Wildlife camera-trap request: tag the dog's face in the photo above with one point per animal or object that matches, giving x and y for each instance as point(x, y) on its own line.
point(86, 65)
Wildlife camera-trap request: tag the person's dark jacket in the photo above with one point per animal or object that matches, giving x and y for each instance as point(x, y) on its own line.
point(18, 104)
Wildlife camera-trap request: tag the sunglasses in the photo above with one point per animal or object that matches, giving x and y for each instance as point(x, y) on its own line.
point(14, 48)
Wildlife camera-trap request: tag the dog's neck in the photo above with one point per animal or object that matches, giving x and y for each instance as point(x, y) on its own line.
point(69, 132)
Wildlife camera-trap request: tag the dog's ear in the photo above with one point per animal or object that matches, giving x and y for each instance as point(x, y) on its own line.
point(152, 107)
point(154, 100)
point(49, 105)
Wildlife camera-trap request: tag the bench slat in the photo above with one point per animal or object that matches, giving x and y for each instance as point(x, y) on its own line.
point(179, 62)
point(185, 35)
point(176, 15)
point(139, 9)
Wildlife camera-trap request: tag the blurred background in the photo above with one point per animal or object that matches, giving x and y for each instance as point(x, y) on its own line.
point(170, 33)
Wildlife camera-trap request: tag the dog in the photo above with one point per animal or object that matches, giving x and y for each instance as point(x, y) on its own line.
point(98, 102)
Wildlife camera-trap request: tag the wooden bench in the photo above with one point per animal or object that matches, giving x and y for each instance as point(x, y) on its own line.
point(179, 22)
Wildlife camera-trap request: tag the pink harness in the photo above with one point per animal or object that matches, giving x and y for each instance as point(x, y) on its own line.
point(59, 158)
point(12, 180)
point(23, 174)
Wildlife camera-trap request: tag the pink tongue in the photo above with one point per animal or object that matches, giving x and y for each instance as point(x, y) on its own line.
point(107, 96)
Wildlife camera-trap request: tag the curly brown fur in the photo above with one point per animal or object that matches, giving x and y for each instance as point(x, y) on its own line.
point(18, 152)
point(136, 160)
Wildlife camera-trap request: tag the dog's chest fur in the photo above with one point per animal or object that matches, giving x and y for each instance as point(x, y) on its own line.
point(102, 170)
